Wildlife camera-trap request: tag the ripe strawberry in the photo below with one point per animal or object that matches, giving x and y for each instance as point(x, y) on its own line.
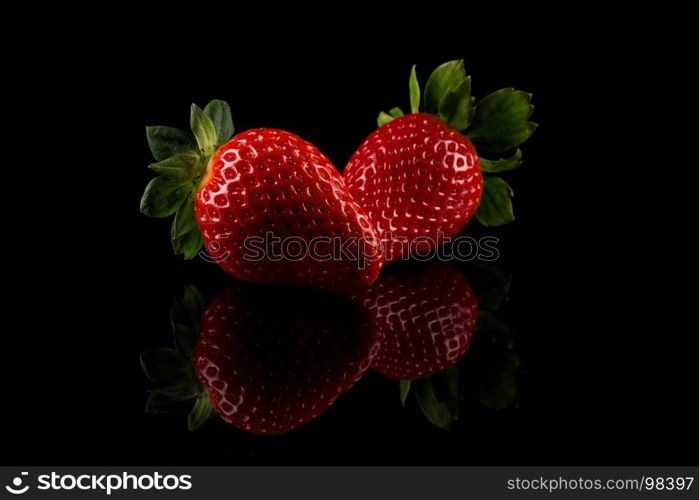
point(274, 359)
point(425, 318)
point(263, 202)
point(416, 178)
point(419, 177)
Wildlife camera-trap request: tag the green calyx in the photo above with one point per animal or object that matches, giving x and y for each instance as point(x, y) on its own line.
point(497, 123)
point(174, 385)
point(182, 161)
point(437, 396)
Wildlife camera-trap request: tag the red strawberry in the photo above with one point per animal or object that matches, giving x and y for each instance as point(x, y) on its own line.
point(425, 318)
point(269, 206)
point(419, 178)
point(416, 178)
point(274, 359)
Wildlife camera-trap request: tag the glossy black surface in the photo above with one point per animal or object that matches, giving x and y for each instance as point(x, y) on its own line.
point(606, 372)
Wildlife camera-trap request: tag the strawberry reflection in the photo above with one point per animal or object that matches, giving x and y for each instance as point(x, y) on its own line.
point(425, 317)
point(429, 318)
point(274, 359)
point(269, 360)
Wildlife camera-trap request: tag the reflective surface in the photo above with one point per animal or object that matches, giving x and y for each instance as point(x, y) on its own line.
point(269, 360)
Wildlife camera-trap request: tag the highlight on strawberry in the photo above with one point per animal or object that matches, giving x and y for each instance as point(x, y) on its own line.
point(420, 175)
point(224, 190)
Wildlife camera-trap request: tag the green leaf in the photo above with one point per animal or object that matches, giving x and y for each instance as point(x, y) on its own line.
point(201, 412)
point(404, 390)
point(181, 389)
point(396, 112)
point(204, 131)
point(164, 365)
point(414, 91)
point(189, 244)
point(185, 336)
point(383, 119)
point(159, 402)
point(184, 331)
point(437, 412)
point(503, 164)
point(180, 166)
point(184, 219)
point(496, 206)
point(167, 141)
point(163, 196)
point(187, 312)
point(194, 303)
point(500, 122)
point(456, 107)
point(185, 236)
point(185, 315)
point(445, 78)
point(220, 114)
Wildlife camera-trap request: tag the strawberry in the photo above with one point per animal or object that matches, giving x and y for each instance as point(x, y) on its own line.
point(425, 317)
point(416, 178)
point(419, 176)
point(274, 359)
point(250, 197)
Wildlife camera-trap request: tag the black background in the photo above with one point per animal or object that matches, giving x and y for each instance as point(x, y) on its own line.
point(608, 376)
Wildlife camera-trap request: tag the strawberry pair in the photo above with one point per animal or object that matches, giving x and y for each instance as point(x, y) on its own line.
point(270, 208)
